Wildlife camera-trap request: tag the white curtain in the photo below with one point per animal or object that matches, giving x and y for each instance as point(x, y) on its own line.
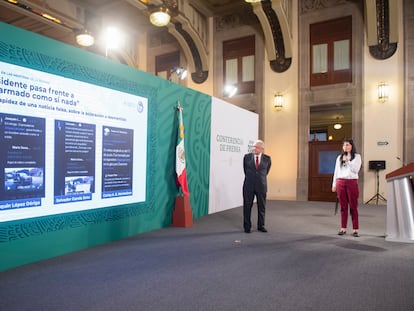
point(320, 58)
point(248, 68)
point(231, 71)
point(341, 55)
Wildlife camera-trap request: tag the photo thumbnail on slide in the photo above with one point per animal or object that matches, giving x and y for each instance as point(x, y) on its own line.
point(22, 160)
point(74, 161)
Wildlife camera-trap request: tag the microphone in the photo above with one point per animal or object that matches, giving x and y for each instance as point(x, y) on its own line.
point(345, 154)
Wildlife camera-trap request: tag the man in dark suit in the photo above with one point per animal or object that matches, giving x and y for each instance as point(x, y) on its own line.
point(256, 166)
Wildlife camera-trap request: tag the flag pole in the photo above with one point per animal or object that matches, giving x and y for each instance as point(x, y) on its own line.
point(182, 214)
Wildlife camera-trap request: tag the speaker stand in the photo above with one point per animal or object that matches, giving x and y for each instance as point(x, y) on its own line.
point(377, 196)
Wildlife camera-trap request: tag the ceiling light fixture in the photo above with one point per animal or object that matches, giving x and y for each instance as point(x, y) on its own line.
point(337, 125)
point(51, 18)
point(252, 1)
point(84, 38)
point(160, 17)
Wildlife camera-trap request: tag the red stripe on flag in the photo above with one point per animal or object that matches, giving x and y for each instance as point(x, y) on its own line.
point(180, 165)
point(182, 180)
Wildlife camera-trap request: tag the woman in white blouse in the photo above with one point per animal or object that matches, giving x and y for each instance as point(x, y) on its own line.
point(345, 184)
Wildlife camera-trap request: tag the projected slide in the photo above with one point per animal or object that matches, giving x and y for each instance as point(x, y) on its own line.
point(67, 145)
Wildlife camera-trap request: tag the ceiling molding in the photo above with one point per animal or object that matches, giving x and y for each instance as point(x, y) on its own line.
point(276, 32)
point(382, 27)
point(192, 46)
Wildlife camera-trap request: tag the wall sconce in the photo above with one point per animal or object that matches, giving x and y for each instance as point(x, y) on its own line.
point(382, 92)
point(229, 90)
point(113, 38)
point(179, 72)
point(84, 38)
point(337, 125)
point(278, 101)
point(160, 17)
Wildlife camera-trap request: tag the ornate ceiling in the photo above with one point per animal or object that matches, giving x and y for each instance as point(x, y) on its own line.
point(133, 14)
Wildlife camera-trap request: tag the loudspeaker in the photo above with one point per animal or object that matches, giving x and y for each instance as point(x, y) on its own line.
point(377, 165)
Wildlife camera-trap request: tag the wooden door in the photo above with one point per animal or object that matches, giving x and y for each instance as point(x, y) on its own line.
point(322, 157)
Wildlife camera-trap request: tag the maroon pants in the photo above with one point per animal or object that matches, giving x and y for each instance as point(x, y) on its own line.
point(348, 192)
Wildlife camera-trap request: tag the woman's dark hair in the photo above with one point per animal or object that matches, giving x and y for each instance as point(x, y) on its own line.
point(351, 142)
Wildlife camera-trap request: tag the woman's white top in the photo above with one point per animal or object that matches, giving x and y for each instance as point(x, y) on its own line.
point(347, 170)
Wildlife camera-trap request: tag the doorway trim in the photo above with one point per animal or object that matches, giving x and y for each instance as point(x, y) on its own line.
point(332, 94)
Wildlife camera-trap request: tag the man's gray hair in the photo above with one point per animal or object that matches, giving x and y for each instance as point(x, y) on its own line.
point(260, 142)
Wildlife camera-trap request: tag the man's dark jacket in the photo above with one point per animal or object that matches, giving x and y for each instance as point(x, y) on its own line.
point(255, 180)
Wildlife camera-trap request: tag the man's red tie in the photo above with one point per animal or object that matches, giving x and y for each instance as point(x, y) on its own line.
point(257, 162)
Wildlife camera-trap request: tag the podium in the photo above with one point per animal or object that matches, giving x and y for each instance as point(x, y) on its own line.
point(400, 205)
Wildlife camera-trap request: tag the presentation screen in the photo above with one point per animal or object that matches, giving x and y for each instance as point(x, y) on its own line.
point(68, 145)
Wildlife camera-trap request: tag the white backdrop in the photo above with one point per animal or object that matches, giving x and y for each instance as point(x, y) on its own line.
point(233, 132)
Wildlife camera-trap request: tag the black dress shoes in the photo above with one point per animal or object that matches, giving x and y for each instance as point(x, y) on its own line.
point(262, 229)
point(247, 231)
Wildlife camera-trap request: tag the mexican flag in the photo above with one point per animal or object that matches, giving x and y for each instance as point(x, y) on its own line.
point(180, 155)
